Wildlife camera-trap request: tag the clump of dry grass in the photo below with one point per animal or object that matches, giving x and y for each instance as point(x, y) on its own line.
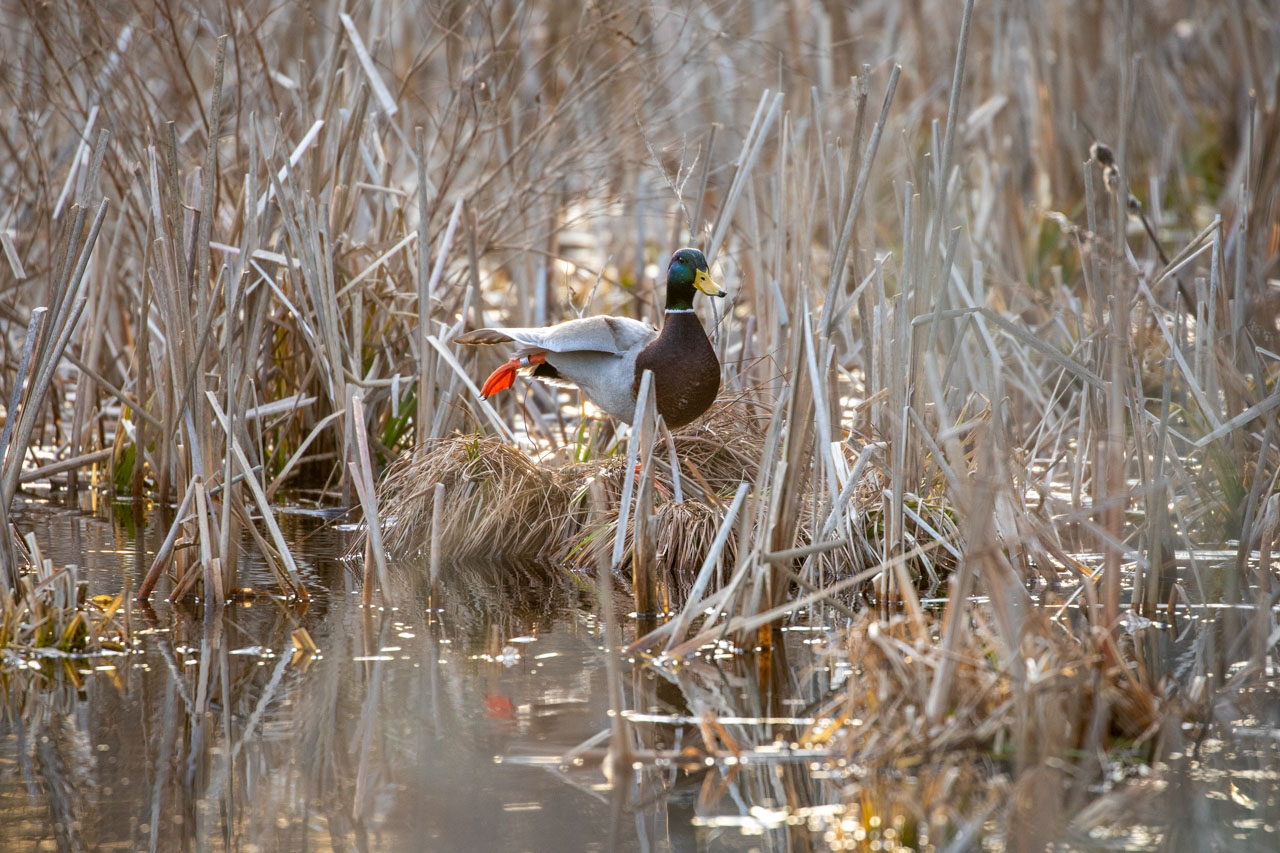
point(502, 504)
point(498, 503)
point(1052, 703)
point(51, 609)
point(1039, 695)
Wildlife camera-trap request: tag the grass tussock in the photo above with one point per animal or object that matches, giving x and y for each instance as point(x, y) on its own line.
point(1053, 704)
point(502, 504)
point(497, 503)
point(51, 619)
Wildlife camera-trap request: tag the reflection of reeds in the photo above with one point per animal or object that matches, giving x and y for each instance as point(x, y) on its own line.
point(954, 357)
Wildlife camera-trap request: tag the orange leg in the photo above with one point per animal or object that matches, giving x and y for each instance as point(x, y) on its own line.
point(502, 378)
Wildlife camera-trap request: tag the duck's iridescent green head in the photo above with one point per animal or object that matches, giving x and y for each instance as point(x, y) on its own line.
point(686, 275)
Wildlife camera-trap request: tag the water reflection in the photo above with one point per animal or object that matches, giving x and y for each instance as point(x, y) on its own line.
point(214, 733)
point(479, 721)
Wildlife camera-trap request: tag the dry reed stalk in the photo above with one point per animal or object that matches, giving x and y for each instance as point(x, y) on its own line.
point(644, 576)
point(369, 499)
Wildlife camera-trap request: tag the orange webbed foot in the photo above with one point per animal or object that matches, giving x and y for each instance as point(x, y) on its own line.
point(503, 378)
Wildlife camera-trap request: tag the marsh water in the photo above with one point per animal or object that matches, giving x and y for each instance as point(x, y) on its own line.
point(477, 720)
point(412, 728)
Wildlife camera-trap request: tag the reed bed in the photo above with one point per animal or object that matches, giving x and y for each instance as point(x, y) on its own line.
point(1001, 292)
point(1023, 717)
point(341, 230)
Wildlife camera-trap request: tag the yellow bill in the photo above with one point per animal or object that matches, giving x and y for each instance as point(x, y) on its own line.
point(703, 282)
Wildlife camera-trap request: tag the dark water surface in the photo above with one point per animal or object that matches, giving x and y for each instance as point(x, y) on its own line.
point(411, 730)
point(481, 725)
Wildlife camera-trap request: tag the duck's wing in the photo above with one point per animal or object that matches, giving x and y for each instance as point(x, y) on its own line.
point(612, 335)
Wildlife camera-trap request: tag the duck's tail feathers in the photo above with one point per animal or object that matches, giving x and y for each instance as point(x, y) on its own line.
point(484, 336)
point(502, 378)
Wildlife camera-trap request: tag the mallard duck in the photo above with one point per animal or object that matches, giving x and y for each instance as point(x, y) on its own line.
point(606, 356)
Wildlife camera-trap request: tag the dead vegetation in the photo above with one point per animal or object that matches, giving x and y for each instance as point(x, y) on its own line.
point(50, 621)
point(1001, 292)
point(498, 505)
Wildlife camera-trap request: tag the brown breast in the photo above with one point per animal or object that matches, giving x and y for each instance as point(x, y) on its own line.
point(686, 374)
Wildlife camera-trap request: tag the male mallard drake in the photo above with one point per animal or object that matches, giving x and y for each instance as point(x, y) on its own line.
point(606, 356)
